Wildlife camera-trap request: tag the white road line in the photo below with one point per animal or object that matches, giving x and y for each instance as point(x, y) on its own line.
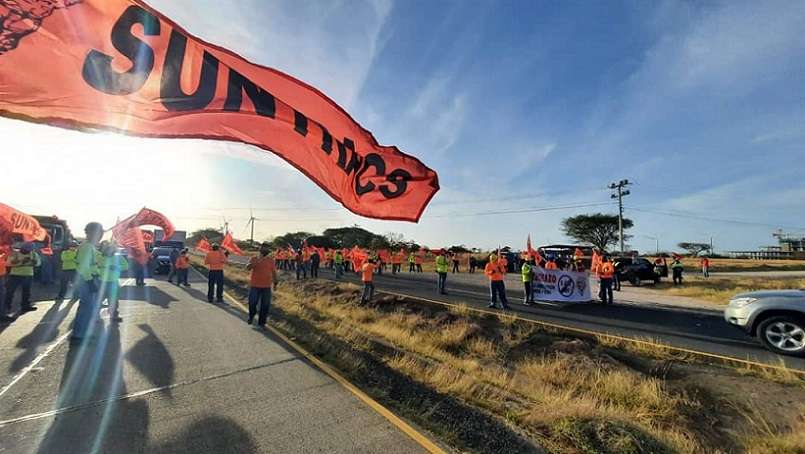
point(43, 355)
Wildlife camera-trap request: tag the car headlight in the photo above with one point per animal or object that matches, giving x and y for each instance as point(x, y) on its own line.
point(741, 302)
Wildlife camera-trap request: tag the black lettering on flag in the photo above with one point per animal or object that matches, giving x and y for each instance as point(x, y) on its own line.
point(98, 71)
point(300, 123)
point(264, 102)
point(371, 160)
point(326, 140)
point(400, 179)
point(173, 98)
point(342, 154)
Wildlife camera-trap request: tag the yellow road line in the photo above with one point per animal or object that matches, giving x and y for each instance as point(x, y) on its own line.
point(745, 362)
point(406, 428)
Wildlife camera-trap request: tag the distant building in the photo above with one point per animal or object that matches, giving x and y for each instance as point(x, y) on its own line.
point(789, 247)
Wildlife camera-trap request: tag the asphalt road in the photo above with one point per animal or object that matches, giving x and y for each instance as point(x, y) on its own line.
point(640, 315)
point(178, 375)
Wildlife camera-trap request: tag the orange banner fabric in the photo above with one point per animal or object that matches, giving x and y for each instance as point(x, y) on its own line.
point(15, 222)
point(121, 65)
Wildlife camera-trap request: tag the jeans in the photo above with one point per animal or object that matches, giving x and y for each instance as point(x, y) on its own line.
point(259, 298)
point(173, 272)
point(12, 284)
point(442, 282)
point(339, 270)
point(677, 275)
point(139, 274)
point(181, 276)
point(368, 291)
point(87, 313)
point(2, 295)
point(66, 279)
point(498, 289)
point(111, 292)
point(314, 269)
point(616, 282)
point(215, 284)
point(605, 291)
point(301, 269)
point(706, 271)
point(411, 267)
point(529, 295)
point(455, 266)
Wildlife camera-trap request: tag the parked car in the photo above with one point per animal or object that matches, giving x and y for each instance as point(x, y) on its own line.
point(635, 270)
point(775, 317)
point(161, 260)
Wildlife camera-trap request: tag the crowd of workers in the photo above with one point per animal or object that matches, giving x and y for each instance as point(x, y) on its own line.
point(90, 273)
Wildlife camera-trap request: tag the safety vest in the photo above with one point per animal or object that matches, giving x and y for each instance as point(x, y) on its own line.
point(441, 264)
point(26, 268)
point(111, 267)
point(677, 264)
point(86, 260)
point(525, 270)
point(412, 258)
point(339, 259)
point(69, 260)
point(606, 271)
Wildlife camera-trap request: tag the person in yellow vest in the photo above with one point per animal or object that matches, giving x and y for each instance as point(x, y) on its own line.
point(21, 275)
point(527, 272)
point(89, 283)
point(606, 273)
point(69, 263)
point(111, 266)
point(411, 262)
point(441, 270)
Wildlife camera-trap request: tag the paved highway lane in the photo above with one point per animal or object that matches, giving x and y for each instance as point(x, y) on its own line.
point(697, 329)
point(178, 375)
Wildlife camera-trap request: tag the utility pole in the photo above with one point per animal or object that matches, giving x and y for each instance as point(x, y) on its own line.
point(619, 187)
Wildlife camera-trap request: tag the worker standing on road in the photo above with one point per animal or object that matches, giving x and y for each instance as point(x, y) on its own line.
point(495, 271)
point(396, 262)
point(215, 261)
point(455, 262)
point(69, 263)
point(411, 262)
point(174, 255)
point(22, 265)
point(705, 267)
point(606, 272)
point(264, 277)
point(418, 262)
point(473, 264)
point(315, 260)
point(527, 272)
point(367, 276)
point(551, 263)
point(89, 284)
point(301, 271)
point(111, 267)
point(441, 271)
point(338, 259)
point(677, 268)
point(182, 268)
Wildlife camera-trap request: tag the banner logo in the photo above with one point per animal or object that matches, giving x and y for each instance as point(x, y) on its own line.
point(19, 18)
point(566, 285)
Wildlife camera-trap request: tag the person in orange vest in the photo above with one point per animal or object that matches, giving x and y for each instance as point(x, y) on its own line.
point(263, 279)
point(705, 267)
point(215, 261)
point(367, 276)
point(551, 263)
point(182, 268)
point(495, 271)
point(606, 273)
point(418, 263)
point(396, 262)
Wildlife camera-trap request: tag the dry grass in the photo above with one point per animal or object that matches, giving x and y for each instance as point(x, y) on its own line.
point(729, 265)
point(719, 290)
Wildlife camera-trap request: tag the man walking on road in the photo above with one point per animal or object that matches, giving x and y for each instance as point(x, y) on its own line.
point(705, 267)
point(338, 259)
point(367, 276)
point(174, 255)
point(441, 270)
point(22, 265)
point(182, 269)
point(215, 261)
point(495, 271)
point(111, 267)
point(677, 268)
point(315, 260)
point(89, 284)
point(264, 277)
point(606, 272)
point(455, 262)
point(69, 263)
point(527, 272)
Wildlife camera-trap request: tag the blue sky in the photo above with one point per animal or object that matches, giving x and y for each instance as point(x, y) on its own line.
point(517, 105)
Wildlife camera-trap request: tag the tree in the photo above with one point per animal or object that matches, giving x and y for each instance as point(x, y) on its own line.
point(211, 234)
point(694, 249)
point(600, 230)
point(294, 240)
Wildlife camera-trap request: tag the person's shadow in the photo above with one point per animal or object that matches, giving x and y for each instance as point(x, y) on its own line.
point(150, 357)
point(44, 332)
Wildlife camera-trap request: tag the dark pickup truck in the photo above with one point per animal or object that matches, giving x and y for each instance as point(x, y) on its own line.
point(637, 270)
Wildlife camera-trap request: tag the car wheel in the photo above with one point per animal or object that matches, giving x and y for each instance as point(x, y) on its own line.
point(783, 334)
point(636, 281)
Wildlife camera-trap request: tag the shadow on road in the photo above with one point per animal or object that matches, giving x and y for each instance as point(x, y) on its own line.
point(150, 357)
point(44, 332)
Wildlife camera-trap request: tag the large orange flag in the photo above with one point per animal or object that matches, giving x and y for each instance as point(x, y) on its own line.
point(228, 243)
point(120, 65)
point(16, 222)
point(145, 216)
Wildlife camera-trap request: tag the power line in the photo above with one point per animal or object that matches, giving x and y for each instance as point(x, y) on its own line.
point(709, 218)
point(522, 210)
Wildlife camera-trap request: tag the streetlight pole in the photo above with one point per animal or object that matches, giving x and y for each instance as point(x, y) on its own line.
point(620, 193)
